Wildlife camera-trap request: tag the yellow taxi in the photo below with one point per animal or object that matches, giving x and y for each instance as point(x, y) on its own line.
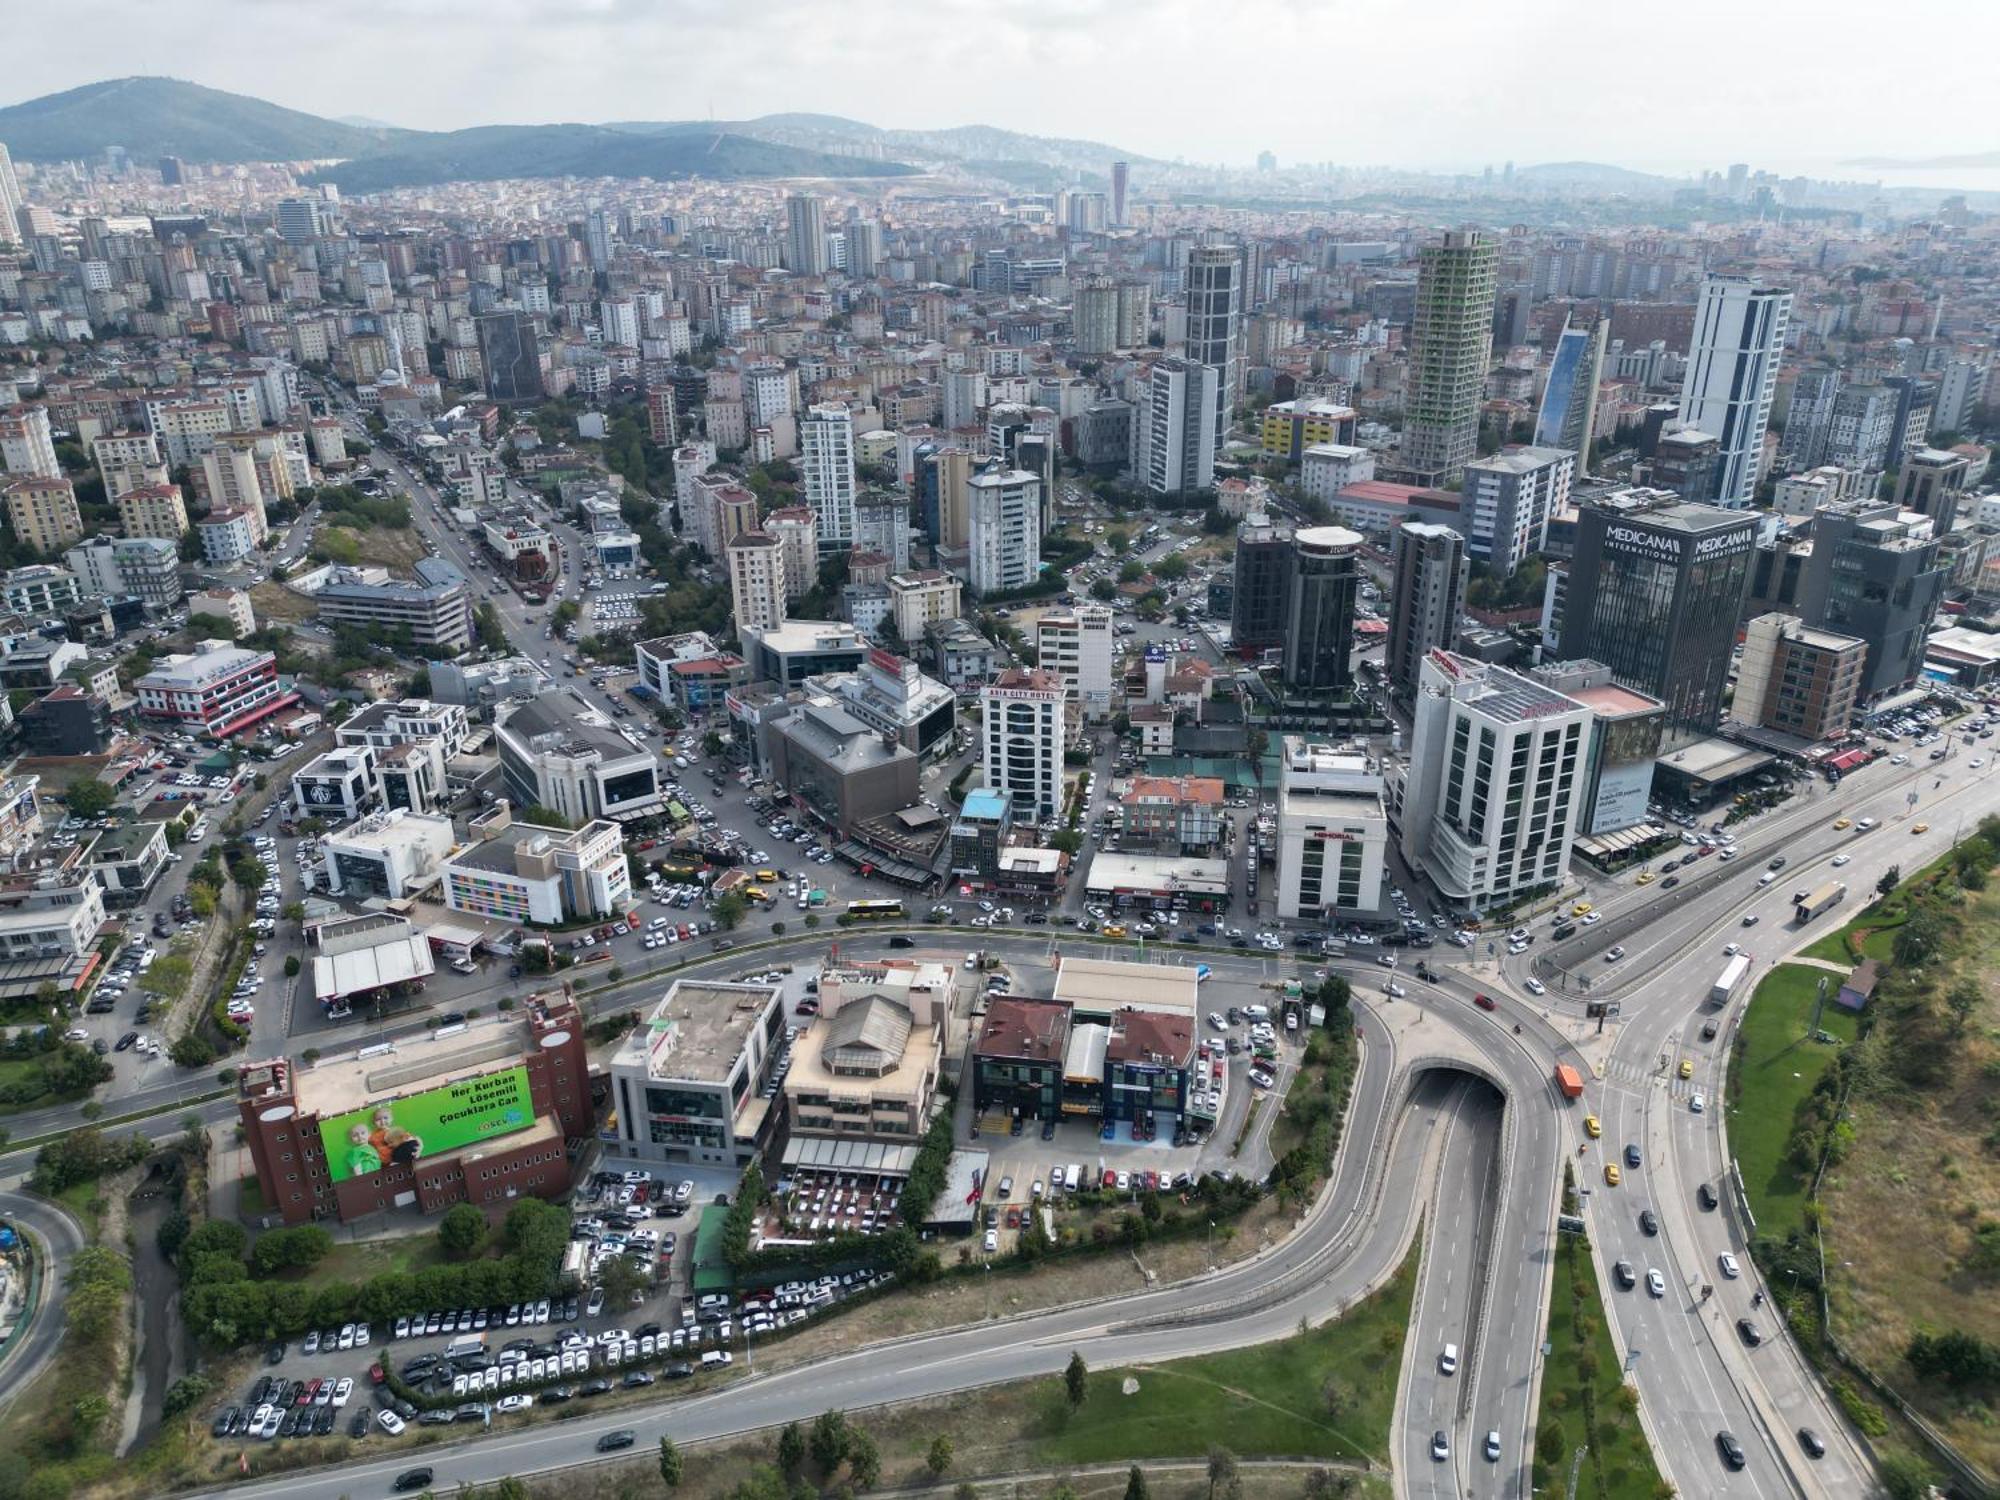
point(1645, 877)
point(1591, 1127)
point(1920, 828)
point(1611, 1178)
point(1843, 822)
point(1581, 909)
point(1687, 1067)
point(1114, 930)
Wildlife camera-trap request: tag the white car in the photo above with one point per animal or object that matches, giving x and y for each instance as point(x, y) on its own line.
point(1535, 986)
point(1730, 950)
point(1696, 1104)
point(1730, 1269)
point(1841, 859)
point(1656, 1283)
point(1592, 918)
point(391, 1423)
point(343, 1390)
point(513, 1403)
point(992, 1240)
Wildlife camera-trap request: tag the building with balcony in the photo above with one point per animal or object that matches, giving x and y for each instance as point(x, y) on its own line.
point(433, 611)
point(215, 690)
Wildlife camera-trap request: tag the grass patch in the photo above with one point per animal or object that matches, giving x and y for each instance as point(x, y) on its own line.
point(1584, 1395)
point(273, 601)
point(1773, 1072)
point(250, 1197)
point(15, 1071)
point(355, 1261)
point(1327, 1393)
point(83, 1200)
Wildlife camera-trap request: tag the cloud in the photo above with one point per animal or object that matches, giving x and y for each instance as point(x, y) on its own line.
point(1445, 83)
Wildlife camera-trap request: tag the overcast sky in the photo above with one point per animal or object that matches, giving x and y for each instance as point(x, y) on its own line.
point(1785, 84)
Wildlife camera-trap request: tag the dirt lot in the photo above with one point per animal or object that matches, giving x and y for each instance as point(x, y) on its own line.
point(398, 550)
point(273, 601)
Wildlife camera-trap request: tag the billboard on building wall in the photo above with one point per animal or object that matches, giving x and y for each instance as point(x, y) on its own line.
point(408, 1130)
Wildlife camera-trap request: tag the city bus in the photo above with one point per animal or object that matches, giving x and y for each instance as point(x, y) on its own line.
point(875, 911)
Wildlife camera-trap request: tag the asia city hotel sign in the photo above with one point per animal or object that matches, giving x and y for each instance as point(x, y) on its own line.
point(1634, 541)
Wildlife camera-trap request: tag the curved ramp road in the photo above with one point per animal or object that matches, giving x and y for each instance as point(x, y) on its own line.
point(58, 1237)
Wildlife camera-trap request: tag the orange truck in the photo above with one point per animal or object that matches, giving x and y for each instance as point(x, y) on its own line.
point(1569, 1081)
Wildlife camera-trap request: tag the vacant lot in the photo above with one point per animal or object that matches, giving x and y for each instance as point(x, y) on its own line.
point(1909, 1211)
point(1773, 1072)
point(274, 603)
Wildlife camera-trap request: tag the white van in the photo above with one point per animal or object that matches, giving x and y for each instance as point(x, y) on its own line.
point(1257, 1012)
point(1072, 1178)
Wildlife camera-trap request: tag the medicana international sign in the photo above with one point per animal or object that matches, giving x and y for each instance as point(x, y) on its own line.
point(405, 1131)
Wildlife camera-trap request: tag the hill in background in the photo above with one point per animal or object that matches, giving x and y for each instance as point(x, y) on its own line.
point(166, 117)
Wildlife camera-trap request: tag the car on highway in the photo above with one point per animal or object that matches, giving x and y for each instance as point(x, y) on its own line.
point(611, 1442)
point(1581, 909)
point(1812, 1442)
point(1696, 1104)
point(1920, 828)
point(1730, 1269)
point(1440, 1446)
point(1615, 952)
point(1632, 1154)
point(1645, 877)
point(1749, 1332)
point(1493, 1447)
point(413, 1479)
point(1655, 1282)
point(1687, 1067)
point(1484, 1002)
point(1626, 1276)
point(1535, 986)
point(1612, 1176)
point(1592, 1126)
point(1649, 1222)
point(1705, 1196)
point(1448, 1361)
point(1843, 822)
point(1731, 1450)
point(1751, 919)
point(1841, 859)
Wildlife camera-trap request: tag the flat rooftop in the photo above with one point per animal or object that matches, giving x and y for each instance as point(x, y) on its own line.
point(1104, 984)
point(1614, 702)
point(1715, 760)
point(411, 1065)
point(1157, 872)
point(697, 1032)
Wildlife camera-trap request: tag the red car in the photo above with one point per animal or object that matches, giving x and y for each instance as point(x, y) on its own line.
point(1484, 1002)
point(376, 1375)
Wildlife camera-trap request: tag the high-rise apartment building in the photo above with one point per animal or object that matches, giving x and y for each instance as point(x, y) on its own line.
point(298, 221)
point(1076, 644)
point(1320, 596)
point(27, 448)
point(1507, 499)
point(1021, 739)
point(1215, 324)
point(43, 512)
point(1174, 431)
point(795, 527)
point(153, 510)
point(1931, 482)
point(1655, 589)
point(1094, 318)
point(1333, 834)
point(11, 201)
point(510, 357)
point(1493, 788)
point(1961, 394)
point(1568, 415)
point(757, 581)
point(1427, 594)
point(1004, 513)
point(1451, 336)
point(1873, 570)
point(1732, 373)
point(805, 235)
point(598, 225)
point(1121, 182)
point(129, 460)
point(826, 465)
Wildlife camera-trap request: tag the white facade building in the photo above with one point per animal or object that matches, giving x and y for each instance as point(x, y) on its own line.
point(826, 464)
point(1076, 644)
point(757, 581)
point(1333, 833)
point(1004, 508)
point(1732, 372)
point(1325, 469)
point(1021, 729)
point(1496, 777)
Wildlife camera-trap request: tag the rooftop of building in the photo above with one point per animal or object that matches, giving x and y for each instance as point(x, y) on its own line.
point(208, 661)
point(435, 578)
point(393, 829)
point(806, 635)
point(495, 854)
point(410, 1064)
point(985, 805)
point(1663, 510)
point(1388, 492)
point(1501, 694)
point(551, 724)
point(1610, 701)
point(1019, 1027)
point(838, 737)
point(697, 1032)
point(1521, 460)
point(123, 840)
point(1151, 1037)
point(1198, 790)
point(1108, 984)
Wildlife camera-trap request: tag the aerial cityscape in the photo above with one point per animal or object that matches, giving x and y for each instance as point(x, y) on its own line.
point(735, 771)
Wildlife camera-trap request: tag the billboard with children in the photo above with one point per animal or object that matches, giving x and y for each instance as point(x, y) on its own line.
point(407, 1130)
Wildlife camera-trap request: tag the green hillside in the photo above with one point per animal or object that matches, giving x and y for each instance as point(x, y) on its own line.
point(166, 117)
point(490, 153)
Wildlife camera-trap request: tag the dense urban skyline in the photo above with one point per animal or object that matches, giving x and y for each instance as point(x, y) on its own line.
point(1343, 76)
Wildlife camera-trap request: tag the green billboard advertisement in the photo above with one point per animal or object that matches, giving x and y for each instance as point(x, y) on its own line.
point(404, 1131)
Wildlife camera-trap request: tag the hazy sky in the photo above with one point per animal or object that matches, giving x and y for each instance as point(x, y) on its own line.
point(1787, 84)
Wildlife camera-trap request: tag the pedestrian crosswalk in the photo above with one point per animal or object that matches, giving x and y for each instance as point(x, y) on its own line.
point(1634, 1076)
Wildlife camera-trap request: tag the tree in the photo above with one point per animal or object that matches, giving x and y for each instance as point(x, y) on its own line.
point(461, 1231)
point(1221, 1469)
point(791, 1448)
point(1135, 1483)
point(828, 1442)
point(1891, 878)
point(90, 799)
point(621, 1277)
point(940, 1455)
point(291, 965)
point(730, 909)
point(1076, 1379)
point(864, 1458)
point(670, 1463)
point(1962, 1000)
